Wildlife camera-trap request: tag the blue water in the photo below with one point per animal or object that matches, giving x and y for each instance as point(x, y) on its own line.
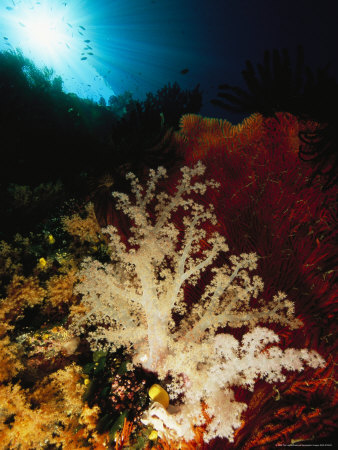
point(106, 47)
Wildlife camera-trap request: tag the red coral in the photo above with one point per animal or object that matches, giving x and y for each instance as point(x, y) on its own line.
point(265, 205)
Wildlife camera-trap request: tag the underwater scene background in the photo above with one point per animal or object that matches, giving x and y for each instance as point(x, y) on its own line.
point(168, 239)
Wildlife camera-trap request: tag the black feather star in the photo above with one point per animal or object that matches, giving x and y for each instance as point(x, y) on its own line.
point(274, 86)
point(320, 148)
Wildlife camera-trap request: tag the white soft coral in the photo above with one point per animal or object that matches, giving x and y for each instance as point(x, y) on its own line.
point(131, 303)
point(212, 369)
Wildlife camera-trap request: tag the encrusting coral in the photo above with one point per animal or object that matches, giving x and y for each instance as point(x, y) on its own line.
point(138, 302)
point(84, 229)
point(60, 289)
point(49, 415)
point(22, 292)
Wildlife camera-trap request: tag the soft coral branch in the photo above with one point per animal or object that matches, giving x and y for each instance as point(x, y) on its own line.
point(131, 303)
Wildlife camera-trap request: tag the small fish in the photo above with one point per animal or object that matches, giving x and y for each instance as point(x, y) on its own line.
point(71, 26)
point(6, 38)
point(22, 24)
point(80, 32)
point(82, 28)
point(88, 47)
point(184, 71)
point(90, 53)
point(87, 40)
point(67, 45)
point(84, 58)
point(9, 8)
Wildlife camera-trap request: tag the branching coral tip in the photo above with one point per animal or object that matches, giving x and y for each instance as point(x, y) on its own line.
point(158, 394)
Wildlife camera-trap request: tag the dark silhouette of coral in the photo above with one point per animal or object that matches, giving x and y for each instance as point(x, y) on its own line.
point(45, 132)
point(173, 102)
point(48, 135)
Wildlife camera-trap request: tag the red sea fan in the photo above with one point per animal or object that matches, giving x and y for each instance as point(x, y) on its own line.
point(303, 411)
point(265, 205)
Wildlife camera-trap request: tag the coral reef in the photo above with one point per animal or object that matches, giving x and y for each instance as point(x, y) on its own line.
point(259, 355)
